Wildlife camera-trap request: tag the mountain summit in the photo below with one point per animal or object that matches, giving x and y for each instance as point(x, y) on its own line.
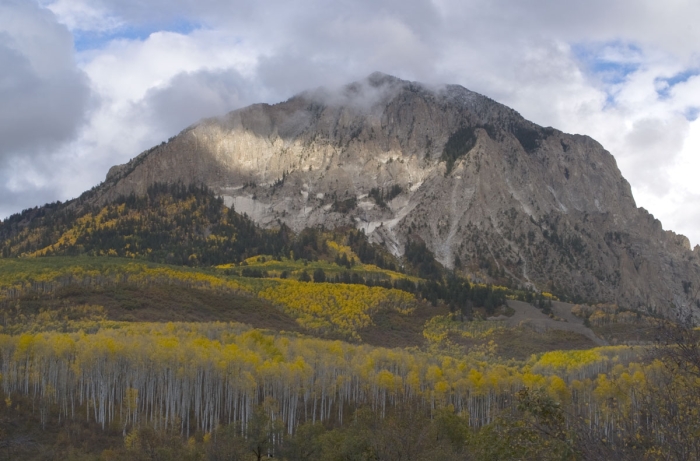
point(491, 194)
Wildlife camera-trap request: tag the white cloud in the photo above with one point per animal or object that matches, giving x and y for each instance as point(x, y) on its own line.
point(680, 205)
point(150, 90)
point(126, 69)
point(601, 68)
point(84, 16)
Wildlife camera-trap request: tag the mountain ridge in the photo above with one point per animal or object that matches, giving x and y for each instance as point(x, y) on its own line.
point(490, 193)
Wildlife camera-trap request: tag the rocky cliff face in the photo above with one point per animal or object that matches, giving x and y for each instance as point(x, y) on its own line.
point(489, 192)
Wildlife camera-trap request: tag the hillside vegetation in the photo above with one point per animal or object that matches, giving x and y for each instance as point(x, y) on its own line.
point(186, 379)
point(190, 226)
point(170, 224)
point(170, 327)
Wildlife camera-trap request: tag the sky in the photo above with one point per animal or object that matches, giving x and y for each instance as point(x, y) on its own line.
point(87, 84)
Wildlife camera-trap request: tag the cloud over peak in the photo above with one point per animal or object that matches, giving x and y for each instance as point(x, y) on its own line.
point(91, 83)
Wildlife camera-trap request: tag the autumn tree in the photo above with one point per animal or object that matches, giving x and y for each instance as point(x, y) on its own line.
point(676, 404)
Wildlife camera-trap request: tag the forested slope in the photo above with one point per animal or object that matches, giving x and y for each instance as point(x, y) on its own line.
point(171, 327)
point(217, 378)
point(190, 226)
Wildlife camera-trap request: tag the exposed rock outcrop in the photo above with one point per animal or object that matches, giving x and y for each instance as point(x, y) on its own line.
point(485, 189)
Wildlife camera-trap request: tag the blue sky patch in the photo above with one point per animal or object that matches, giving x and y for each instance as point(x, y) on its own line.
point(664, 85)
point(692, 113)
point(89, 40)
point(611, 62)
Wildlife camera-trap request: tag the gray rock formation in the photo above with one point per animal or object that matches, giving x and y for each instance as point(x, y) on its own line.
point(487, 190)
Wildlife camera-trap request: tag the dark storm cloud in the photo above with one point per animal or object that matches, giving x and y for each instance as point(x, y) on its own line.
point(19, 192)
point(191, 96)
point(44, 96)
point(15, 201)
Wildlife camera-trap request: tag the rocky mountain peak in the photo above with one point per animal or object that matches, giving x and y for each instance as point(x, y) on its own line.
point(491, 194)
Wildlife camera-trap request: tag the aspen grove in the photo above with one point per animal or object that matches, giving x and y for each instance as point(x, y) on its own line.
point(185, 377)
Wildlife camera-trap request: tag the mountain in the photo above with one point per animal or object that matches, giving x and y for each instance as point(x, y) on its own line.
point(489, 193)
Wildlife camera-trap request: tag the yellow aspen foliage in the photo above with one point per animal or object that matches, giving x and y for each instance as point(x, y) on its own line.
point(162, 374)
point(558, 389)
point(47, 275)
point(335, 307)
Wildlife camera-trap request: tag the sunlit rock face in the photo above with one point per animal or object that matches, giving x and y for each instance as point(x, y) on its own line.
point(485, 189)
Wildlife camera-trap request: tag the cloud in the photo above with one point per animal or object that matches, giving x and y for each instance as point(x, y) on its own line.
point(44, 95)
point(151, 89)
point(191, 96)
point(23, 186)
point(685, 94)
point(655, 142)
point(126, 69)
point(624, 72)
point(85, 16)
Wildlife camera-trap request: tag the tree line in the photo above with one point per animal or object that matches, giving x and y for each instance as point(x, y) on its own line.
point(223, 379)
